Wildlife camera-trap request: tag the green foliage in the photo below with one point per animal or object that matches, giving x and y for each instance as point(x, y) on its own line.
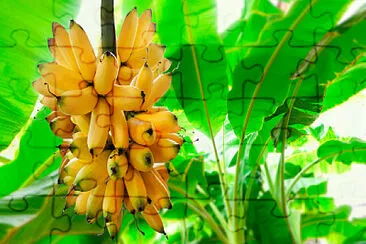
point(254, 91)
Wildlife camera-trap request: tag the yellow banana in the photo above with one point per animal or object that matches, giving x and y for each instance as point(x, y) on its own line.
point(92, 174)
point(62, 127)
point(99, 126)
point(144, 80)
point(141, 132)
point(172, 136)
point(114, 225)
point(41, 86)
point(60, 79)
point(165, 150)
point(164, 121)
point(63, 43)
point(82, 121)
point(70, 198)
point(161, 67)
point(137, 58)
point(106, 74)
point(81, 202)
point(61, 172)
point(163, 171)
point(141, 157)
point(136, 189)
point(155, 109)
point(126, 37)
point(142, 27)
point(113, 199)
point(149, 34)
point(68, 180)
point(117, 164)
point(153, 218)
point(156, 189)
point(83, 51)
point(79, 147)
point(95, 203)
point(125, 97)
point(74, 166)
point(124, 75)
point(78, 102)
point(155, 54)
point(128, 204)
point(50, 102)
point(56, 53)
point(119, 129)
point(159, 87)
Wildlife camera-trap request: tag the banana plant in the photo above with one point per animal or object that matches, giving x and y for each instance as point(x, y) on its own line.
point(252, 91)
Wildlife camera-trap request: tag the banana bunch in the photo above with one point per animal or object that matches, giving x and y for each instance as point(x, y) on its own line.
point(116, 142)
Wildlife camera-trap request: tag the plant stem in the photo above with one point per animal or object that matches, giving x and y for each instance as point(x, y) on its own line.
point(107, 26)
point(201, 211)
point(268, 176)
point(40, 170)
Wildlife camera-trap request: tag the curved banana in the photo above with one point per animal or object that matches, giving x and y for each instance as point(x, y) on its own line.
point(125, 75)
point(41, 86)
point(56, 53)
point(50, 102)
point(172, 136)
point(114, 225)
point(149, 34)
point(144, 80)
point(141, 157)
point(113, 199)
point(74, 166)
point(164, 121)
point(78, 102)
point(126, 37)
point(137, 58)
point(141, 132)
point(136, 189)
point(142, 27)
point(161, 67)
point(125, 97)
point(153, 218)
point(63, 43)
point(81, 202)
point(155, 54)
point(83, 51)
point(55, 114)
point(79, 147)
point(163, 171)
point(165, 150)
point(95, 203)
point(99, 126)
point(82, 121)
point(106, 74)
point(92, 174)
point(117, 164)
point(60, 79)
point(119, 129)
point(159, 87)
point(155, 109)
point(70, 198)
point(156, 189)
point(128, 204)
point(62, 127)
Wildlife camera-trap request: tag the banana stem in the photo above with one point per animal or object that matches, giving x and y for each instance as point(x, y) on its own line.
point(49, 161)
point(107, 26)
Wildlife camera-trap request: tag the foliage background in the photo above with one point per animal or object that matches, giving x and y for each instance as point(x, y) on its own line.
point(314, 68)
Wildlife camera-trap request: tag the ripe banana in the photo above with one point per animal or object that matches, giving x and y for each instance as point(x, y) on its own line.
point(50, 102)
point(41, 86)
point(78, 102)
point(153, 218)
point(74, 165)
point(149, 34)
point(163, 171)
point(56, 53)
point(144, 80)
point(141, 132)
point(82, 121)
point(92, 174)
point(60, 79)
point(126, 38)
point(70, 198)
point(126, 98)
point(54, 114)
point(161, 67)
point(156, 189)
point(137, 58)
point(99, 126)
point(128, 204)
point(155, 54)
point(141, 157)
point(164, 121)
point(136, 189)
point(172, 136)
point(142, 27)
point(114, 225)
point(62, 127)
point(165, 150)
point(125, 75)
point(117, 164)
point(95, 203)
point(159, 87)
point(63, 43)
point(113, 199)
point(83, 51)
point(81, 202)
point(119, 129)
point(79, 147)
point(106, 74)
